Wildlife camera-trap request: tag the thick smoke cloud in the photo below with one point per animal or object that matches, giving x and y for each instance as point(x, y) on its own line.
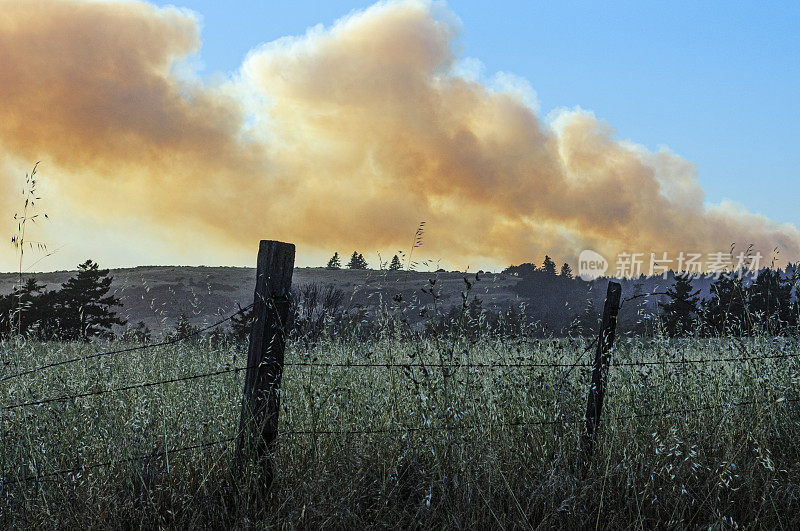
point(343, 138)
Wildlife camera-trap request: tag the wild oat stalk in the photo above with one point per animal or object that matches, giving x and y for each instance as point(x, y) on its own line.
point(416, 243)
point(28, 214)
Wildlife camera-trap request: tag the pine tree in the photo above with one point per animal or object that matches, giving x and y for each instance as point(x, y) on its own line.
point(21, 309)
point(83, 305)
point(726, 310)
point(357, 261)
point(395, 265)
point(184, 329)
point(353, 263)
point(138, 334)
point(242, 324)
point(549, 266)
point(30, 309)
point(770, 301)
point(6, 316)
point(566, 271)
point(334, 262)
point(680, 314)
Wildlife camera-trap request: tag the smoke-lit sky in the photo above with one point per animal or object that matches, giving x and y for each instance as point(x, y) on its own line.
point(512, 128)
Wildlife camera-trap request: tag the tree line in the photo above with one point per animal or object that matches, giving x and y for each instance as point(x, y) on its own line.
point(82, 308)
point(548, 268)
point(736, 305)
point(357, 261)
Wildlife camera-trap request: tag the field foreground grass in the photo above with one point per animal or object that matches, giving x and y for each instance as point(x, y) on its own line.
point(468, 437)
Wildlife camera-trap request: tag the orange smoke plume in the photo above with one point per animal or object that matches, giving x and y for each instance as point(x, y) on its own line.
point(342, 138)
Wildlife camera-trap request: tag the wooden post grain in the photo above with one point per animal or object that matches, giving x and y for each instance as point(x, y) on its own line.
point(602, 357)
point(258, 426)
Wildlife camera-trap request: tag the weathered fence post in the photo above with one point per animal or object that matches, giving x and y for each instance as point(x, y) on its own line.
point(605, 340)
point(258, 426)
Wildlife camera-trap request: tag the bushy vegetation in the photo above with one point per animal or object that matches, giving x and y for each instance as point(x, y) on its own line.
point(738, 303)
point(767, 304)
point(81, 309)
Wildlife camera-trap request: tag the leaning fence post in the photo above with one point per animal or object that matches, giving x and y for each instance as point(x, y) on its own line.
point(605, 340)
point(258, 426)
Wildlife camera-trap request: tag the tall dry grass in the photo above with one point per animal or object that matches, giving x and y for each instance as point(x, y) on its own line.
point(454, 447)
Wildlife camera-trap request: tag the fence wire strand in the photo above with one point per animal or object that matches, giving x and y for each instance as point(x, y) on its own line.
point(490, 365)
point(643, 363)
point(126, 350)
point(132, 459)
point(485, 365)
point(405, 429)
point(141, 385)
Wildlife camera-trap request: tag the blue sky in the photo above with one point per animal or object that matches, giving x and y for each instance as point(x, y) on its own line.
point(717, 82)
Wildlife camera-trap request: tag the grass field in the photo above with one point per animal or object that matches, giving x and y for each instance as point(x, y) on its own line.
point(441, 446)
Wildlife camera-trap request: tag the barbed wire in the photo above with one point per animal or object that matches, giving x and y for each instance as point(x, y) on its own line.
point(667, 412)
point(123, 388)
point(578, 360)
point(403, 429)
point(641, 295)
point(482, 365)
point(229, 370)
point(478, 365)
point(662, 413)
point(701, 360)
point(126, 350)
point(140, 457)
point(408, 429)
point(382, 365)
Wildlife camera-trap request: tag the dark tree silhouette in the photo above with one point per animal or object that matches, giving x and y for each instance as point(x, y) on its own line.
point(566, 271)
point(681, 312)
point(242, 324)
point(548, 266)
point(83, 306)
point(352, 264)
point(6, 316)
point(725, 311)
point(140, 333)
point(184, 329)
point(770, 301)
point(334, 262)
point(521, 270)
point(21, 311)
point(357, 261)
point(395, 265)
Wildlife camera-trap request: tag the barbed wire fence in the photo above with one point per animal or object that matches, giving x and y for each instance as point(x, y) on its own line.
point(270, 364)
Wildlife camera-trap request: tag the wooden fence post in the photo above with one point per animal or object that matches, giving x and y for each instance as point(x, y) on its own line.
point(258, 426)
point(605, 340)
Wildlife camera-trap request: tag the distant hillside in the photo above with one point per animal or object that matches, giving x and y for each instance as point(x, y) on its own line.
point(159, 295)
